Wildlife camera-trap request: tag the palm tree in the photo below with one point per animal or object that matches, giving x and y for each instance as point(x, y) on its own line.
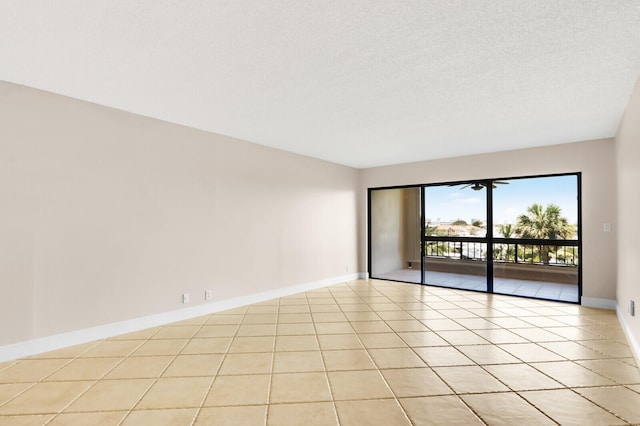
point(507, 230)
point(543, 223)
point(508, 250)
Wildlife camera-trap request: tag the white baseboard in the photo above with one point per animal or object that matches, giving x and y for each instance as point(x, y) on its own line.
point(594, 302)
point(633, 342)
point(63, 340)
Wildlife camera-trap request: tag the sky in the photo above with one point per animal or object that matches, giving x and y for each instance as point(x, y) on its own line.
point(449, 203)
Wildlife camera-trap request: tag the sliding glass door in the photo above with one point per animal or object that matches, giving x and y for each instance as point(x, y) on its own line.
point(536, 245)
point(455, 236)
point(517, 236)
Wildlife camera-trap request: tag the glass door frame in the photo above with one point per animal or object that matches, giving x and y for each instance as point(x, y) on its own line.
point(489, 239)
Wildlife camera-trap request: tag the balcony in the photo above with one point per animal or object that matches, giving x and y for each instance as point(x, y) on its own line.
point(539, 269)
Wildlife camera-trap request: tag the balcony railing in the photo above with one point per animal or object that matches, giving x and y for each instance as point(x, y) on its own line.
point(505, 250)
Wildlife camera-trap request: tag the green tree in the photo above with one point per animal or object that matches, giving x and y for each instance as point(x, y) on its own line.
point(507, 230)
point(460, 222)
point(434, 248)
point(433, 230)
point(430, 230)
point(506, 250)
point(478, 223)
point(544, 223)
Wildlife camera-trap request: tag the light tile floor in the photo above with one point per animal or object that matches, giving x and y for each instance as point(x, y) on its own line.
point(525, 288)
point(359, 353)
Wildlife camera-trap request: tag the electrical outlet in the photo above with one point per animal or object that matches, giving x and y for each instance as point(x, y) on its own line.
point(185, 298)
point(207, 295)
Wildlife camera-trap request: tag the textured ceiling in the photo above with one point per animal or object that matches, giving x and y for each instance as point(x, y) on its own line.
point(356, 82)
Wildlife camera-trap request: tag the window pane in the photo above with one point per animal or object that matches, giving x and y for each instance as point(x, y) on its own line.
point(455, 254)
point(537, 209)
point(540, 208)
point(456, 211)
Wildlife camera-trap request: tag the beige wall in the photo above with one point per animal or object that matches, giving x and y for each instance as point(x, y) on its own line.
point(596, 161)
point(395, 229)
point(107, 216)
point(628, 170)
point(387, 230)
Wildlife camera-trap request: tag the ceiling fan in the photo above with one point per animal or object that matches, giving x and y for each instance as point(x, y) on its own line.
point(477, 186)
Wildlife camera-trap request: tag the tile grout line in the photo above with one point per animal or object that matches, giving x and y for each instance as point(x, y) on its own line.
point(154, 380)
point(453, 391)
point(159, 375)
point(76, 357)
point(273, 361)
point(42, 380)
point(95, 381)
point(406, 415)
point(224, 357)
point(324, 365)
